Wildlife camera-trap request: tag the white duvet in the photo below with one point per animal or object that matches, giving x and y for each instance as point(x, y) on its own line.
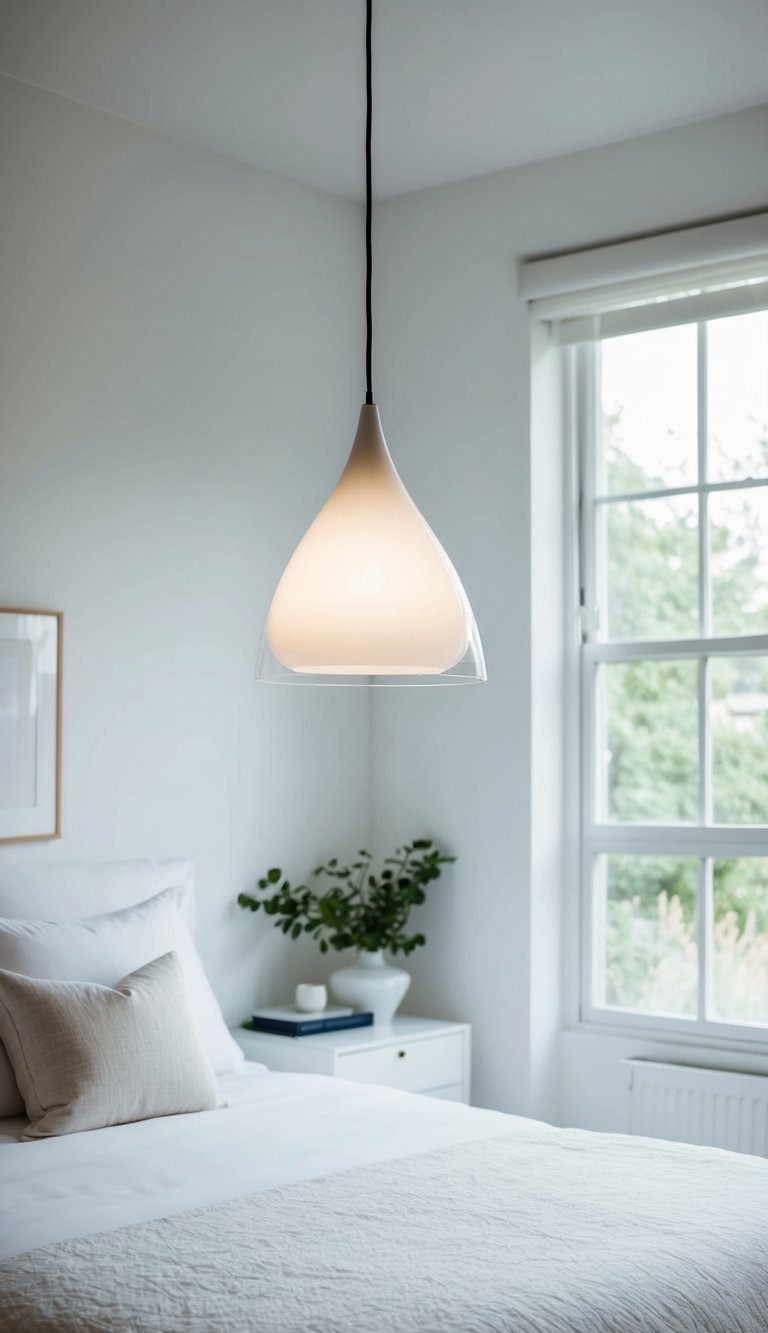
point(275, 1128)
point(311, 1205)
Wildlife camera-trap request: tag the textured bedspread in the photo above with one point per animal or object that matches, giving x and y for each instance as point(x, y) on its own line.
point(530, 1232)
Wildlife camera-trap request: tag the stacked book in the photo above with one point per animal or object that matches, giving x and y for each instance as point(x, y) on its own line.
point(290, 1022)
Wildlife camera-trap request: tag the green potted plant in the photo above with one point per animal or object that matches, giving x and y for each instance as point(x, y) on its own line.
point(354, 908)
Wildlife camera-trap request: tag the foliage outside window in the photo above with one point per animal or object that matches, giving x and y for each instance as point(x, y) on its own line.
point(675, 675)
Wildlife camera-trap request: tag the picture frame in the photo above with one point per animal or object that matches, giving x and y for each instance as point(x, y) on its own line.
point(31, 652)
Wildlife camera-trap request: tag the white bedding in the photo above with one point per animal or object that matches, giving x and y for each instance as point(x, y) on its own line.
point(276, 1128)
point(312, 1205)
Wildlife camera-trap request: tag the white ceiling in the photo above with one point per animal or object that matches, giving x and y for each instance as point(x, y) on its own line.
point(462, 87)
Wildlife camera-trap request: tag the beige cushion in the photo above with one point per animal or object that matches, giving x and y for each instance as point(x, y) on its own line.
point(86, 1056)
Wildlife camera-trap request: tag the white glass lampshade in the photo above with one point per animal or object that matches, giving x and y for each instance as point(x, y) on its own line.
point(369, 596)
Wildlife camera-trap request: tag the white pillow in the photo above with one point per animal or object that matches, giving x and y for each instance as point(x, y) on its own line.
point(104, 949)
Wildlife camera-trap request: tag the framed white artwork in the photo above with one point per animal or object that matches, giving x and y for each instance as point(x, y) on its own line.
point(30, 724)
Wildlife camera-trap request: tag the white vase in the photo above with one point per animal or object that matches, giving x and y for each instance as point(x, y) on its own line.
point(371, 984)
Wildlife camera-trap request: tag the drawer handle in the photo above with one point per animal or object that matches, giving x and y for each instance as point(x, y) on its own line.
point(401, 1055)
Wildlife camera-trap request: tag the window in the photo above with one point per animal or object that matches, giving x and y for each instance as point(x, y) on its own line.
point(673, 436)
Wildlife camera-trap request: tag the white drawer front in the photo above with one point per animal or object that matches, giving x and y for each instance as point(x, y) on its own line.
point(413, 1066)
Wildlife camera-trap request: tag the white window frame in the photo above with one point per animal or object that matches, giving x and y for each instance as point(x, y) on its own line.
point(704, 841)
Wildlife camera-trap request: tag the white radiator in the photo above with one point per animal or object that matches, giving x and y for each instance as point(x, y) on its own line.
point(691, 1105)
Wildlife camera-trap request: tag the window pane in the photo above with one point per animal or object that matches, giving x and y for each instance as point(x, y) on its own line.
point(649, 410)
point(737, 391)
point(653, 568)
point(651, 955)
point(740, 940)
point(652, 752)
point(739, 713)
point(738, 535)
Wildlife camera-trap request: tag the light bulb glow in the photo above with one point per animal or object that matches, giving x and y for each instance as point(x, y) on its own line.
point(369, 591)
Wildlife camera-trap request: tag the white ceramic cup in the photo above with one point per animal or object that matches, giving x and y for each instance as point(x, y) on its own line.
point(311, 999)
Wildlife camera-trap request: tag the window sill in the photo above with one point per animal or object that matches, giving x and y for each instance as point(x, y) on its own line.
point(664, 1037)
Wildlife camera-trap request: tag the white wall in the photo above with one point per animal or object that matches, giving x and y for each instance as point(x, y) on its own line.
point(474, 767)
point(180, 377)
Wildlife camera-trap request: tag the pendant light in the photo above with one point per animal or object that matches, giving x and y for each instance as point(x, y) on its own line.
point(369, 596)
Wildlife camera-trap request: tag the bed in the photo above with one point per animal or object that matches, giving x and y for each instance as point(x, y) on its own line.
point(310, 1203)
point(305, 1204)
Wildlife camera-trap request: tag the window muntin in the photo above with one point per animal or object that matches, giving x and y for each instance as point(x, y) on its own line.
point(675, 676)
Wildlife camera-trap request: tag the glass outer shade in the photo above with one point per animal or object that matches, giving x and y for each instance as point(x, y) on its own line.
point(369, 596)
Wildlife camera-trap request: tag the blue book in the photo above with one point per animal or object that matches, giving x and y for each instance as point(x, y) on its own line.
point(291, 1023)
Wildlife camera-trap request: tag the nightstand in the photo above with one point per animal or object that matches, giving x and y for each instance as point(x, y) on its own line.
point(415, 1054)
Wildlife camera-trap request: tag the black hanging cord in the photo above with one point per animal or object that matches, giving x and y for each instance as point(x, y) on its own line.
point(368, 208)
